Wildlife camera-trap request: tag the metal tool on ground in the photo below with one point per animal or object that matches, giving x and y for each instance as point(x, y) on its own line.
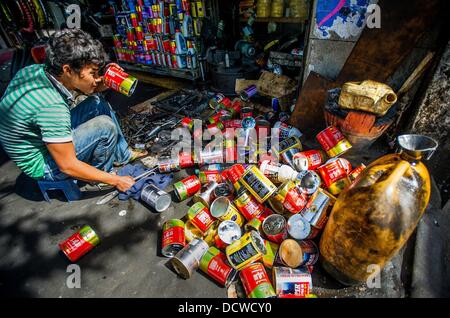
point(108, 197)
point(170, 123)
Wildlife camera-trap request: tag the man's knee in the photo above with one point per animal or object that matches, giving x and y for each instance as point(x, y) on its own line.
point(105, 124)
point(97, 102)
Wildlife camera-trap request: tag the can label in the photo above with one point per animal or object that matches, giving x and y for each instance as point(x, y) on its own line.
point(310, 252)
point(271, 170)
point(215, 128)
point(139, 33)
point(338, 186)
point(224, 103)
point(233, 123)
point(332, 171)
point(200, 217)
point(330, 138)
point(209, 176)
point(232, 214)
point(291, 197)
point(316, 209)
point(214, 119)
point(214, 264)
point(285, 129)
point(248, 206)
point(120, 81)
point(271, 252)
point(243, 251)
point(295, 200)
point(308, 160)
point(236, 106)
point(173, 233)
point(79, 243)
point(256, 281)
point(185, 160)
point(246, 112)
point(254, 224)
point(258, 184)
point(187, 187)
point(356, 172)
point(235, 173)
point(287, 144)
point(213, 102)
point(340, 148)
point(248, 92)
point(219, 243)
point(168, 165)
point(292, 283)
point(208, 156)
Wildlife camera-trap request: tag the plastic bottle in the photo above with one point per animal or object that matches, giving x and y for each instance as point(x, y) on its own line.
point(181, 49)
point(191, 52)
point(277, 172)
point(374, 217)
point(187, 25)
point(220, 29)
point(227, 60)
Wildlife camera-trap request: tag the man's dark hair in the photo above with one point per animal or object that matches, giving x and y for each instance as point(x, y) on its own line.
point(75, 48)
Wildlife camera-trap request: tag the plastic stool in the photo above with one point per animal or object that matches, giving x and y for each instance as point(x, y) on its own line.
point(69, 187)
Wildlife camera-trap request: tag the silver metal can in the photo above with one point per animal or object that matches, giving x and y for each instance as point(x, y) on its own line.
point(317, 207)
point(308, 181)
point(298, 227)
point(274, 228)
point(188, 259)
point(227, 233)
point(156, 198)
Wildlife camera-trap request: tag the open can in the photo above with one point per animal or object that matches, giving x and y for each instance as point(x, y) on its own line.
point(223, 209)
point(156, 198)
point(188, 259)
point(227, 233)
point(120, 81)
point(173, 239)
point(274, 228)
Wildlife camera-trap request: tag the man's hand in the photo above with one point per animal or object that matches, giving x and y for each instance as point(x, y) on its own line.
point(101, 86)
point(124, 183)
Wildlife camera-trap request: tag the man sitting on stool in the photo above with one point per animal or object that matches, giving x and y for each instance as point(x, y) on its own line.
point(45, 137)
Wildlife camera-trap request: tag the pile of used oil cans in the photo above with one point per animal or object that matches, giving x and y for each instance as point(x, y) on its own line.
point(256, 222)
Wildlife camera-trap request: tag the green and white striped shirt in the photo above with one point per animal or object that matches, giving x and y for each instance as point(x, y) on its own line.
point(32, 113)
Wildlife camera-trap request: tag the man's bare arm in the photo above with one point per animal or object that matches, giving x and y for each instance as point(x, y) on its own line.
point(65, 157)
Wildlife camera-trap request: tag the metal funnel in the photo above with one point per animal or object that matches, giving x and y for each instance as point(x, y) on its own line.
point(417, 146)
